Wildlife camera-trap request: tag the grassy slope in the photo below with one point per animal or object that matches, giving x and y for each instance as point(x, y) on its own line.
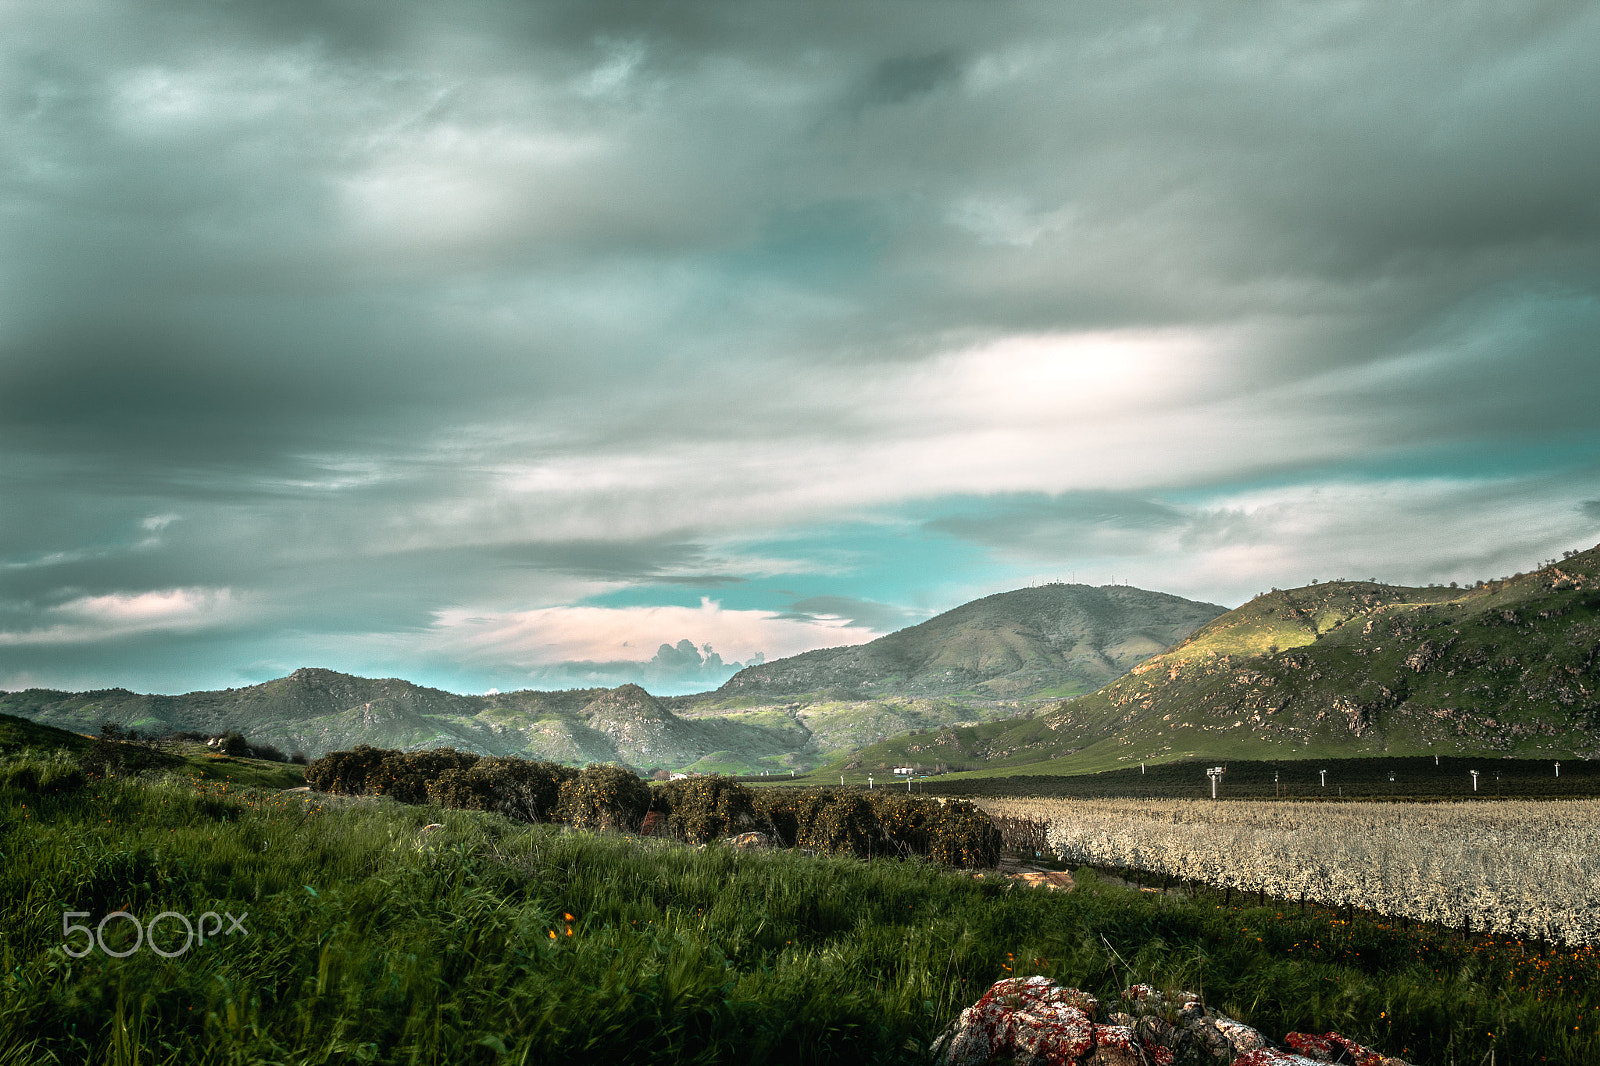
point(194, 760)
point(365, 945)
point(1339, 669)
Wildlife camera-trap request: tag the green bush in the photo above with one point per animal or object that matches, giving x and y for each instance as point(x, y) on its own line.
point(104, 758)
point(456, 789)
point(880, 822)
point(962, 835)
point(842, 823)
point(906, 822)
point(780, 809)
point(346, 772)
point(404, 776)
point(524, 789)
point(604, 797)
point(835, 821)
point(701, 808)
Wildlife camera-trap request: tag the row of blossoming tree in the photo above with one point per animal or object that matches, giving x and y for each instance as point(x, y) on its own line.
point(1525, 869)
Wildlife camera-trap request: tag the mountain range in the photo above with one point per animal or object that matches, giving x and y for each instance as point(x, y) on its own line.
point(980, 662)
point(1052, 679)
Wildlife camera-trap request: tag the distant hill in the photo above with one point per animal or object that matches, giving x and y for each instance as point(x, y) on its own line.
point(315, 710)
point(969, 665)
point(1349, 668)
point(1055, 639)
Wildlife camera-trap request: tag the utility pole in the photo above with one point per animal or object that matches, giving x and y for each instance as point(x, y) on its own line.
point(1474, 774)
point(1324, 774)
point(1214, 773)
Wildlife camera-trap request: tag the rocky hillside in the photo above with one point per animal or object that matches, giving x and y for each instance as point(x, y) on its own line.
point(1054, 639)
point(1353, 668)
point(315, 711)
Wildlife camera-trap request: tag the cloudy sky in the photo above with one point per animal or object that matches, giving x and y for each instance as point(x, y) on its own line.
point(500, 344)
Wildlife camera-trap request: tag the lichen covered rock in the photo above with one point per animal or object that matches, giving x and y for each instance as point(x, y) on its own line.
point(1273, 1057)
point(1331, 1047)
point(1036, 1022)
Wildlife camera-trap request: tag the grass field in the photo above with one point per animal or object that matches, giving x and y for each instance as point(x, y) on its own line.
point(491, 941)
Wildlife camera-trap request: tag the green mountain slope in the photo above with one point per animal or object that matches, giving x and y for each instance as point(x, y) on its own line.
point(1350, 668)
point(1056, 639)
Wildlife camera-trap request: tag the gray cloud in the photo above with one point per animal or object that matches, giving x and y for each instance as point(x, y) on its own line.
point(403, 307)
point(900, 78)
point(868, 614)
point(1070, 525)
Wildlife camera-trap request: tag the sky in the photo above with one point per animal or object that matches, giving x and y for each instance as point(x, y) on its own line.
point(541, 345)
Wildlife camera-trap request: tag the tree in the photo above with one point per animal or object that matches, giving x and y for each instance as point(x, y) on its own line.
point(604, 797)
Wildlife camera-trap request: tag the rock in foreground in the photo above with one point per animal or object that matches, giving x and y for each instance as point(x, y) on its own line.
point(1034, 1021)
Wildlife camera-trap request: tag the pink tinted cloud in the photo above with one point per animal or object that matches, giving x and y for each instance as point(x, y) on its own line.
point(550, 635)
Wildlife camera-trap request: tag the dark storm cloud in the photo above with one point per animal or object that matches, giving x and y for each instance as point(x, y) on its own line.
point(902, 78)
point(867, 614)
point(1072, 524)
point(323, 318)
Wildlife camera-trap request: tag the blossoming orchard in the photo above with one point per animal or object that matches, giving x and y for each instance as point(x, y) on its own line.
point(1524, 869)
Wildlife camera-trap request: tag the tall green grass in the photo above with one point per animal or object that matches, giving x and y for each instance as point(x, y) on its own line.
point(371, 941)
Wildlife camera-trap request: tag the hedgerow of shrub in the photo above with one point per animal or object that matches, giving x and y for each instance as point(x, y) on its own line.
point(604, 797)
point(346, 772)
point(699, 809)
point(962, 835)
point(524, 789)
point(848, 821)
point(404, 775)
point(844, 823)
point(833, 821)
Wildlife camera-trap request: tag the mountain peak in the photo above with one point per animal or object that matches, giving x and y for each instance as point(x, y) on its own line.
point(629, 701)
point(1046, 639)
